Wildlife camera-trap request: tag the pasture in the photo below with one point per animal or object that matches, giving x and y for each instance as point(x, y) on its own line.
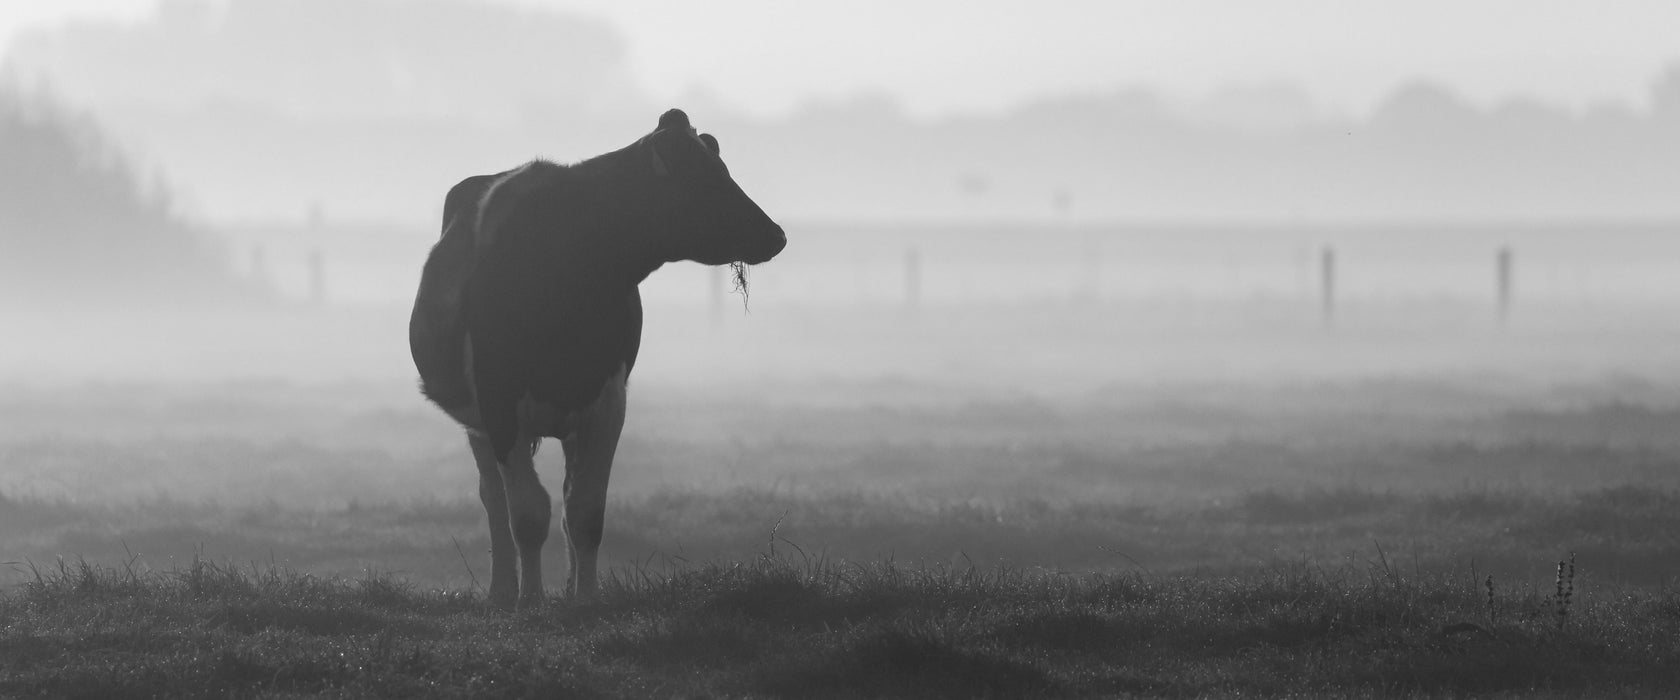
point(1217, 500)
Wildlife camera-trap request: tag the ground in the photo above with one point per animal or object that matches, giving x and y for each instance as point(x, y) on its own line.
point(797, 534)
point(780, 627)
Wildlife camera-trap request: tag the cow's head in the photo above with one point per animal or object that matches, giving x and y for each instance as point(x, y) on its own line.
point(706, 216)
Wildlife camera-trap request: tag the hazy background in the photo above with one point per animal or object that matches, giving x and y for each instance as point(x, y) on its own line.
point(928, 156)
point(1291, 112)
point(1072, 251)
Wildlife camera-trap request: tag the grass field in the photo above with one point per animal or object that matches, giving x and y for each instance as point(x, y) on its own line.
point(775, 627)
point(1003, 548)
point(861, 533)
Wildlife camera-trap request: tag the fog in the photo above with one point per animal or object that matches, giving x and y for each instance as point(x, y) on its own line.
point(213, 218)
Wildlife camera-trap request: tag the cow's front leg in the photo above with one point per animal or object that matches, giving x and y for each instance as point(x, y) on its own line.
point(503, 587)
point(589, 458)
point(528, 516)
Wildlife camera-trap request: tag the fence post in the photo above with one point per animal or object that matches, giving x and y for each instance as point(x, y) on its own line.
point(1503, 275)
point(912, 278)
point(317, 277)
point(1090, 284)
point(1327, 284)
point(259, 264)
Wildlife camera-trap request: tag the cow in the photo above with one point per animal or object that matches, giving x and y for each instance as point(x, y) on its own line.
point(528, 320)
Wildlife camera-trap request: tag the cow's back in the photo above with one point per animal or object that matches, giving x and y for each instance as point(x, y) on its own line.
point(501, 313)
point(546, 321)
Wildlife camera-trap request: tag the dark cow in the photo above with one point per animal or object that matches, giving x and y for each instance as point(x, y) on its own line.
point(528, 321)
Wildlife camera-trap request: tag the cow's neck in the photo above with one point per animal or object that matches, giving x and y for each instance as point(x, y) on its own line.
point(616, 189)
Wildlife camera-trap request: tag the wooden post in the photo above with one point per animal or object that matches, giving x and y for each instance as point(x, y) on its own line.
point(259, 264)
point(1090, 284)
point(1503, 281)
point(317, 277)
point(1327, 284)
point(912, 278)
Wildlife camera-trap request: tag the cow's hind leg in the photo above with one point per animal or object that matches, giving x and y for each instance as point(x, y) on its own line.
point(589, 458)
point(529, 512)
point(503, 587)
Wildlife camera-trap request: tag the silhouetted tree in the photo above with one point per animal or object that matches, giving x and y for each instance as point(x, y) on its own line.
point(357, 59)
point(1665, 95)
point(1425, 108)
point(76, 222)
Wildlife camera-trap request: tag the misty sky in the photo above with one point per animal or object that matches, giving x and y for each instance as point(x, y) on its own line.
point(953, 56)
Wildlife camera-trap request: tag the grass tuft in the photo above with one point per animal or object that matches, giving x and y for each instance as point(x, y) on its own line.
point(806, 626)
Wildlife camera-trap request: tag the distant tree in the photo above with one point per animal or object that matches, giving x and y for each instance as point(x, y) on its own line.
point(343, 59)
point(1665, 95)
point(77, 223)
point(1425, 107)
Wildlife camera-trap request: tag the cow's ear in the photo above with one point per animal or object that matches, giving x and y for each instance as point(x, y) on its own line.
point(673, 119)
point(711, 143)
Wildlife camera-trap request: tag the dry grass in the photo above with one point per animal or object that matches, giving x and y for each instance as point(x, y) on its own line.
point(806, 627)
point(316, 541)
point(1629, 535)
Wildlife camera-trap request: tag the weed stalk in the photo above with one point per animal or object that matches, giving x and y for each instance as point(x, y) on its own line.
point(1492, 610)
point(1565, 589)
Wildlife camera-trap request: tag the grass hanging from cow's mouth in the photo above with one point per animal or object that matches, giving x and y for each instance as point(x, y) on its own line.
point(740, 279)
